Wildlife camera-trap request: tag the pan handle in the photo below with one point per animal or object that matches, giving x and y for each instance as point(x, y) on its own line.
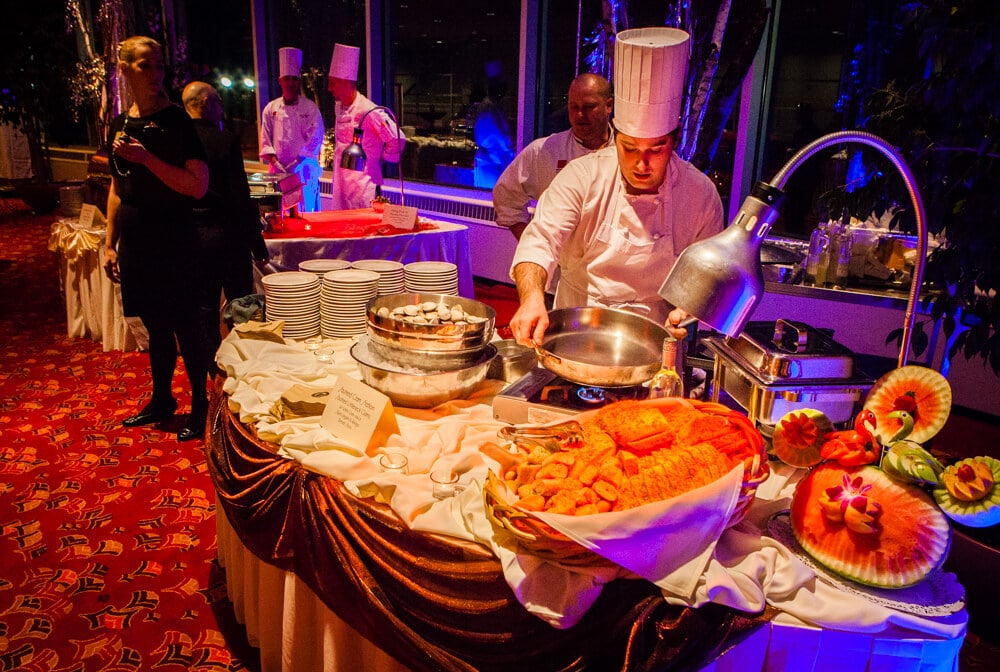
point(544, 354)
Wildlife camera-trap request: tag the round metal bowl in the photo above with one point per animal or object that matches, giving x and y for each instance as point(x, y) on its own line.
point(513, 361)
point(467, 338)
point(419, 388)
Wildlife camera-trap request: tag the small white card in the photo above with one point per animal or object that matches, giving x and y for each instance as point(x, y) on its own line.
point(87, 213)
point(400, 216)
point(359, 415)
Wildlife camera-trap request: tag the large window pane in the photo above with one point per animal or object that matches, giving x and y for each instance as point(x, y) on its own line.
point(455, 67)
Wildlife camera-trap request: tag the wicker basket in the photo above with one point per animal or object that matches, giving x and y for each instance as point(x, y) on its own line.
point(541, 540)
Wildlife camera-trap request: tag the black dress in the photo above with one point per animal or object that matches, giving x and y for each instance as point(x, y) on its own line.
point(157, 238)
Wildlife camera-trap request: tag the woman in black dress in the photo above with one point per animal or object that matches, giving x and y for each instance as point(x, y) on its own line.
point(158, 171)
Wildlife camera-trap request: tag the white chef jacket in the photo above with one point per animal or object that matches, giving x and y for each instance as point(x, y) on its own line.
point(531, 172)
point(295, 133)
point(355, 188)
point(614, 249)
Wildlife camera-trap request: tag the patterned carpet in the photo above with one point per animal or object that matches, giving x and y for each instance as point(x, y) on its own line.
point(108, 545)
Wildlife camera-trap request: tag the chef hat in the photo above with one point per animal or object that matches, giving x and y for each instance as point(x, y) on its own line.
point(344, 64)
point(289, 62)
point(650, 68)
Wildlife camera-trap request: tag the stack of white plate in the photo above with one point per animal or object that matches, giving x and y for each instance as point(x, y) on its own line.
point(293, 296)
point(392, 279)
point(431, 277)
point(323, 266)
point(344, 300)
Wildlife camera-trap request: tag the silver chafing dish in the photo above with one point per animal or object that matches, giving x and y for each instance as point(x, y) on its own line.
point(275, 192)
point(773, 368)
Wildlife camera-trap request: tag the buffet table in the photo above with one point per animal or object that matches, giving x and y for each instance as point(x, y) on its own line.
point(359, 234)
point(332, 565)
point(93, 302)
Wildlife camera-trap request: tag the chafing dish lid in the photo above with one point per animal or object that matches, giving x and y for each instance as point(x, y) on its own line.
point(787, 350)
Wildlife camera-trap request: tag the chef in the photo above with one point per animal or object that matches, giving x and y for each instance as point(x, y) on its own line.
point(614, 221)
point(532, 170)
point(381, 139)
point(291, 130)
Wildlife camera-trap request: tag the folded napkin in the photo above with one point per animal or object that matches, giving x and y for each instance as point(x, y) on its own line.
point(261, 331)
point(243, 309)
point(302, 401)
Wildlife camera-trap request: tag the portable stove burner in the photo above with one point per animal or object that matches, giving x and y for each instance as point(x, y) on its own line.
point(541, 396)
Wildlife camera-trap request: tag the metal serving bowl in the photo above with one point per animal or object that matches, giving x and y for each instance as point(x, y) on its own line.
point(413, 387)
point(446, 345)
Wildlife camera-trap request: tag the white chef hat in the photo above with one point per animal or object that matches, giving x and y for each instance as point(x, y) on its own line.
point(289, 62)
point(650, 68)
point(344, 64)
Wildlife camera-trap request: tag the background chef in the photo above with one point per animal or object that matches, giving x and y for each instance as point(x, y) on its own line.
point(589, 109)
point(291, 130)
point(356, 188)
point(614, 221)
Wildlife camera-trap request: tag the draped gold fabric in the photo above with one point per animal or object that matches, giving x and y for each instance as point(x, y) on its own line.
point(433, 602)
point(71, 241)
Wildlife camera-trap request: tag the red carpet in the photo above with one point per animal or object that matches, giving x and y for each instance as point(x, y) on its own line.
point(108, 540)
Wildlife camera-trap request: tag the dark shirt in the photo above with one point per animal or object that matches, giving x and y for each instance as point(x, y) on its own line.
point(228, 196)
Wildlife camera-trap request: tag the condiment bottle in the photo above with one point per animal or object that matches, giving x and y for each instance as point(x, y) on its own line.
point(818, 260)
point(667, 382)
point(841, 245)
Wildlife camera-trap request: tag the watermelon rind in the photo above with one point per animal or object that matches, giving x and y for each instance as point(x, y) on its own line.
point(913, 541)
point(984, 512)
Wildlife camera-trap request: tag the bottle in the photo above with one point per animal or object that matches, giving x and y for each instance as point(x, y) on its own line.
point(667, 382)
point(818, 260)
point(841, 245)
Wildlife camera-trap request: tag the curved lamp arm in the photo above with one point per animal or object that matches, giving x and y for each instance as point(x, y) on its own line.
point(719, 279)
point(354, 157)
point(897, 161)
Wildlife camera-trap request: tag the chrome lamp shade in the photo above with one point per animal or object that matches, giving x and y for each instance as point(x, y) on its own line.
point(719, 280)
point(354, 157)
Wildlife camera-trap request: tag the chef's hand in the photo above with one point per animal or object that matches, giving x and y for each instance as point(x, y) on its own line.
point(674, 318)
point(530, 321)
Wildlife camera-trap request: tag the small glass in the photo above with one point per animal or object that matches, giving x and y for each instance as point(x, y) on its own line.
point(314, 343)
point(393, 463)
point(324, 356)
point(445, 484)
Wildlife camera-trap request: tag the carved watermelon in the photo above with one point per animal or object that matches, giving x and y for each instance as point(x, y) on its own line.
point(970, 493)
point(922, 392)
point(798, 436)
point(861, 524)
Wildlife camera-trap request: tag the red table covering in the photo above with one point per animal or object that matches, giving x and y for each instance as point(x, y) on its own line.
point(341, 224)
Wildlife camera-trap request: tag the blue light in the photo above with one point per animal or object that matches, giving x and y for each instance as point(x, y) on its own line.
point(226, 82)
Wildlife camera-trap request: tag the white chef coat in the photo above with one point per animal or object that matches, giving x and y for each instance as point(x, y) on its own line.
point(531, 172)
point(294, 133)
point(614, 249)
point(355, 188)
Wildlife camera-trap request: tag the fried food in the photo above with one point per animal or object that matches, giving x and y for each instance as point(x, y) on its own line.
point(631, 454)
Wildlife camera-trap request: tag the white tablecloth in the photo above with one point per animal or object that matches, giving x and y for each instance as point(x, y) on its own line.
point(93, 302)
point(448, 242)
point(819, 628)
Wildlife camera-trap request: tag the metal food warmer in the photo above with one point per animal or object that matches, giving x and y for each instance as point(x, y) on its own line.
point(275, 192)
point(776, 367)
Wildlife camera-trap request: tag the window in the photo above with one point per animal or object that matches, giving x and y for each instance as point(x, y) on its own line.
point(455, 76)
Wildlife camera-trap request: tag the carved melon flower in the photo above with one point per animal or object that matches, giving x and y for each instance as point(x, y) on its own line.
point(849, 504)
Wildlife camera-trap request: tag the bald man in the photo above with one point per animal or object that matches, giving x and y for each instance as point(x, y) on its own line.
point(228, 220)
point(531, 171)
